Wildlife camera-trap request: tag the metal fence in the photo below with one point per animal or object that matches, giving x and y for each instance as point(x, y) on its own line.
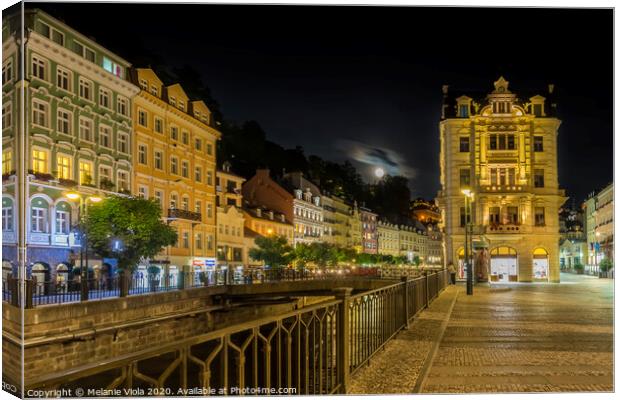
point(70, 290)
point(310, 351)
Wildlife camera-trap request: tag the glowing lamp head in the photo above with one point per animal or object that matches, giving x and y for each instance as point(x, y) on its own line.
point(466, 192)
point(379, 172)
point(73, 195)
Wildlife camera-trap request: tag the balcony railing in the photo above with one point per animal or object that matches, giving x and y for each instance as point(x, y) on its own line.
point(177, 213)
point(503, 188)
point(503, 228)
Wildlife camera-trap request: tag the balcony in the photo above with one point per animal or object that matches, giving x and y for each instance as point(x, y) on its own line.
point(504, 228)
point(503, 188)
point(177, 213)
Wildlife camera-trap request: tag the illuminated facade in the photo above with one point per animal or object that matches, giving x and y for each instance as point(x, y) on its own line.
point(231, 249)
point(599, 214)
point(388, 238)
point(78, 137)
point(368, 220)
point(503, 149)
point(174, 163)
point(336, 213)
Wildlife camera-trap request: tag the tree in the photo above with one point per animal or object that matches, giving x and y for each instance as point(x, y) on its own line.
point(127, 228)
point(272, 250)
point(302, 255)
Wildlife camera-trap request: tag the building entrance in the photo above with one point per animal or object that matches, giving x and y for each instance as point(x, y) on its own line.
point(504, 267)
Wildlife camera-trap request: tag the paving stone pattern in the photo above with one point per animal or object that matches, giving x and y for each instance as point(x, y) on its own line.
point(517, 338)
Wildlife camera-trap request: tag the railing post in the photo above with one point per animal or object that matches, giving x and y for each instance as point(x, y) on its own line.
point(426, 282)
point(342, 360)
point(13, 290)
point(29, 293)
point(123, 282)
point(404, 280)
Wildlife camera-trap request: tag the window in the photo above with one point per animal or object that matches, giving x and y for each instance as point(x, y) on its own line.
point(159, 197)
point(185, 137)
point(462, 217)
point(86, 89)
point(144, 84)
point(123, 180)
point(159, 125)
point(112, 67)
point(39, 67)
point(173, 101)
point(539, 178)
point(63, 163)
point(104, 98)
point(142, 118)
point(512, 214)
point(198, 144)
point(463, 111)
point(39, 161)
point(123, 143)
point(63, 122)
point(143, 191)
point(105, 175)
point(62, 222)
point(154, 90)
point(38, 219)
point(7, 161)
point(209, 178)
point(464, 144)
point(538, 108)
point(86, 173)
point(174, 165)
point(174, 133)
point(494, 214)
point(464, 177)
point(7, 218)
point(198, 241)
point(7, 71)
point(185, 203)
point(39, 113)
point(158, 159)
point(122, 105)
point(58, 37)
point(182, 105)
point(539, 216)
point(198, 174)
point(63, 79)
point(209, 210)
point(185, 169)
point(7, 114)
point(198, 206)
point(142, 154)
point(538, 143)
point(86, 129)
point(84, 51)
point(502, 141)
point(105, 136)
point(209, 149)
point(210, 242)
point(174, 199)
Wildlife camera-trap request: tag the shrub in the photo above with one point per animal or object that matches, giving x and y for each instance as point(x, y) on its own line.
point(605, 265)
point(578, 267)
point(153, 270)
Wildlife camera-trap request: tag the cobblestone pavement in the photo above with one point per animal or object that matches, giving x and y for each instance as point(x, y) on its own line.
point(508, 338)
point(528, 338)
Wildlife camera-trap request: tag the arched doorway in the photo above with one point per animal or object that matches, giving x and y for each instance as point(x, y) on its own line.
point(39, 272)
point(540, 264)
point(504, 265)
point(62, 277)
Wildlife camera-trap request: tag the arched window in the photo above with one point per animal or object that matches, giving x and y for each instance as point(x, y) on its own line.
point(540, 263)
point(63, 218)
point(38, 215)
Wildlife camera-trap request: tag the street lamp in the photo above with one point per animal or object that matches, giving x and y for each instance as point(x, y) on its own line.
point(468, 236)
point(75, 196)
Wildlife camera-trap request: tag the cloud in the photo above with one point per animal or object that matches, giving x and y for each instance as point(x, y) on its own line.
point(392, 162)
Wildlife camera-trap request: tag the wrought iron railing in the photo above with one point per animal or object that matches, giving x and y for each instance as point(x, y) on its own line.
point(310, 351)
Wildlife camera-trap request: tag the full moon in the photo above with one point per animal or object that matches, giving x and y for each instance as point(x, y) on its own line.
point(379, 172)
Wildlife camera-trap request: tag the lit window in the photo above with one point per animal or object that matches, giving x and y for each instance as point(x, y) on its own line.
point(39, 161)
point(186, 240)
point(112, 67)
point(7, 162)
point(154, 90)
point(86, 173)
point(144, 84)
point(159, 197)
point(63, 163)
point(198, 207)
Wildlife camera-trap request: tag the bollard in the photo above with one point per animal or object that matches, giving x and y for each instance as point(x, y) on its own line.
point(342, 360)
point(404, 280)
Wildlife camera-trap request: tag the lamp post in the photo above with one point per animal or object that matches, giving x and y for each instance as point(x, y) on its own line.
point(75, 196)
point(468, 233)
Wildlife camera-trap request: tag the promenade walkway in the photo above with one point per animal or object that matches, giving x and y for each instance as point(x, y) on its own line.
point(508, 338)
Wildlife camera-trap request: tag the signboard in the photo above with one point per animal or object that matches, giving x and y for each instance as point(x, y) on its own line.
point(199, 262)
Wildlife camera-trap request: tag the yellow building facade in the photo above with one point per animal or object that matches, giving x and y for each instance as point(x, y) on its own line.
point(231, 249)
point(267, 222)
point(504, 150)
point(388, 237)
point(174, 147)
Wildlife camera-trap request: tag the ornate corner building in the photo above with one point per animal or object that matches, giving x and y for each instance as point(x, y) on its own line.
point(503, 148)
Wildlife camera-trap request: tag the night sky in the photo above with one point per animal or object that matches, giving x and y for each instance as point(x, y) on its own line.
point(338, 79)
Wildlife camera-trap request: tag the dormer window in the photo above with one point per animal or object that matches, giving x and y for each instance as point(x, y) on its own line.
point(298, 194)
point(463, 111)
point(463, 105)
point(143, 84)
point(258, 212)
point(501, 107)
point(182, 105)
point(538, 106)
point(308, 196)
point(173, 101)
point(154, 90)
point(317, 201)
